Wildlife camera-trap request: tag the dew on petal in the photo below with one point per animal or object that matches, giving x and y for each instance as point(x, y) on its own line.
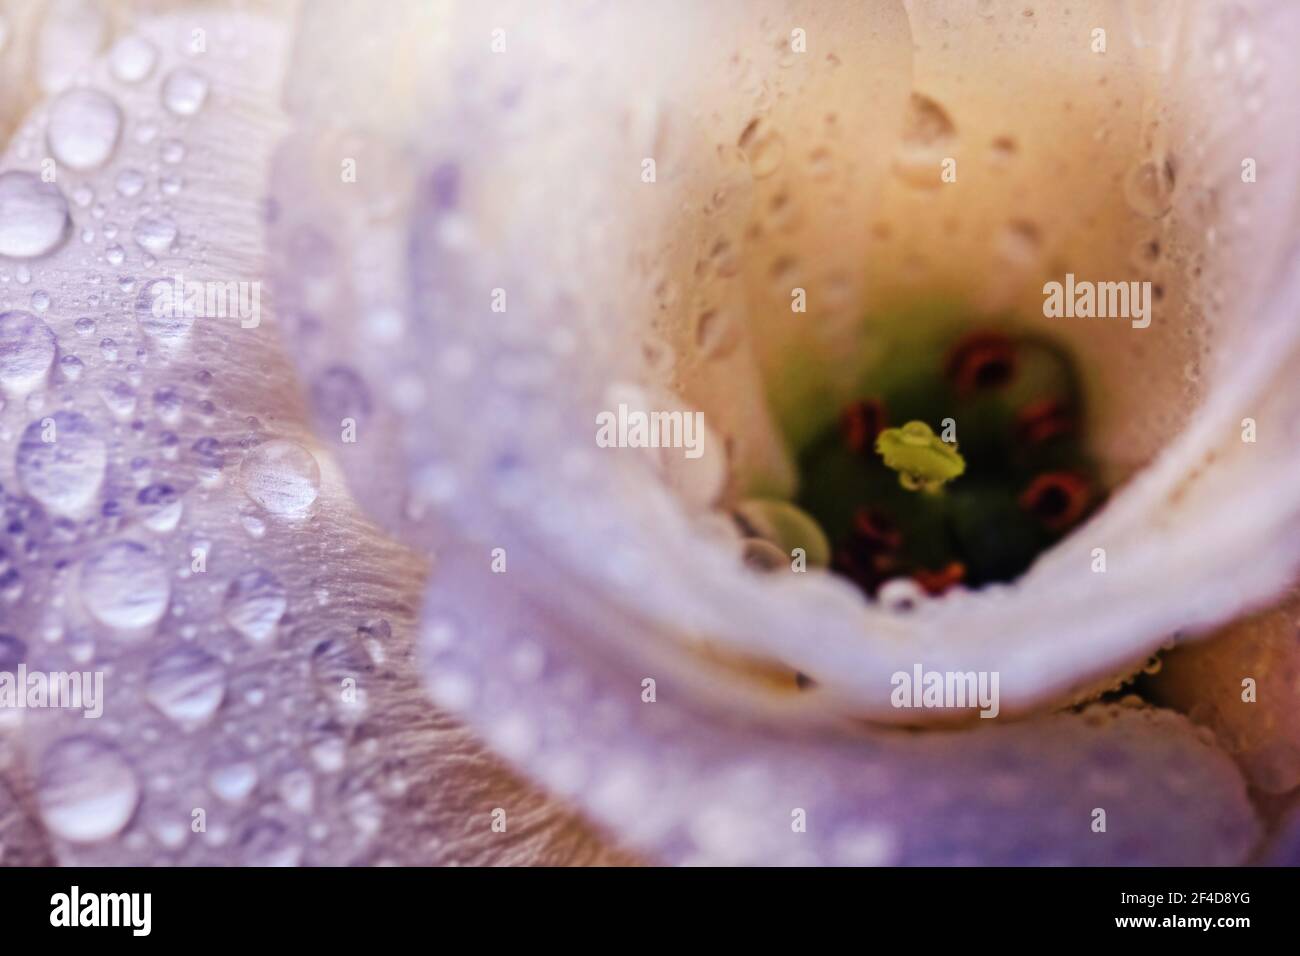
point(281, 476)
point(163, 312)
point(186, 685)
point(132, 59)
point(60, 462)
point(86, 791)
point(27, 349)
point(83, 129)
point(34, 218)
point(1148, 188)
point(125, 587)
point(184, 91)
point(254, 603)
point(154, 234)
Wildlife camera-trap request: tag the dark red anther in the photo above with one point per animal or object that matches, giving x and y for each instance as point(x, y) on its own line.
point(1058, 499)
point(936, 582)
point(861, 422)
point(1042, 420)
point(981, 360)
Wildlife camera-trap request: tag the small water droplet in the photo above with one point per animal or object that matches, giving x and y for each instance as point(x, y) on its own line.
point(154, 234)
point(187, 685)
point(255, 601)
point(164, 312)
point(132, 58)
point(130, 182)
point(184, 91)
point(1149, 187)
point(233, 782)
point(86, 790)
point(34, 217)
point(281, 476)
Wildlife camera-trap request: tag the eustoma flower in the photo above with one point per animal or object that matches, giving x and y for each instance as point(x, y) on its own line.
point(822, 226)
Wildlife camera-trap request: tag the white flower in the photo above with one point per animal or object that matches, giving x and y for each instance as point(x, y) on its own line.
point(469, 257)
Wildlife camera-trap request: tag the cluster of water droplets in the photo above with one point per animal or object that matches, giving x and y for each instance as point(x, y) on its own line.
point(137, 500)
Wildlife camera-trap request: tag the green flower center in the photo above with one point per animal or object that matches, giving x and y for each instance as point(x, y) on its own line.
point(955, 463)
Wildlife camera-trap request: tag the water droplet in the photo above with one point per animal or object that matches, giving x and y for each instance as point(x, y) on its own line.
point(184, 91)
point(927, 141)
point(187, 685)
point(255, 602)
point(64, 473)
point(130, 182)
point(233, 782)
point(163, 311)
point(26, 352)
point(83, 129)
point(34, 216)
point(339, 393)
point(281, 476)
point(154, 234)
point(1149, 187)
point(1020, 243)
point(763, 147)
point(132, 58)
point(124, 586)
point(86, 791)
point(160, 507)
point(172, 151)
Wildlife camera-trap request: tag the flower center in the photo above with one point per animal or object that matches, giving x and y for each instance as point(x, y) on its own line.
point(955, 462)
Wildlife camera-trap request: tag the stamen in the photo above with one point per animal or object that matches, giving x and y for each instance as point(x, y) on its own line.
point(1058, 499)
point(861, 423)
point(981, 360)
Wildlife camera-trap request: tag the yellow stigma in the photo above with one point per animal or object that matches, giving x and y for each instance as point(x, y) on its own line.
point(924, 461)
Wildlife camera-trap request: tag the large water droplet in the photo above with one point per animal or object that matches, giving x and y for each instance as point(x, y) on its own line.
point(26, 352)
point(187, 685)
point(927, 141)
point(60, 462)
point(33, 216)
point(184, 91)
point(83, 129)
point(132, 58)
point(124, 586)
point(255, 602)
point(281, 476)
point(86, 790)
